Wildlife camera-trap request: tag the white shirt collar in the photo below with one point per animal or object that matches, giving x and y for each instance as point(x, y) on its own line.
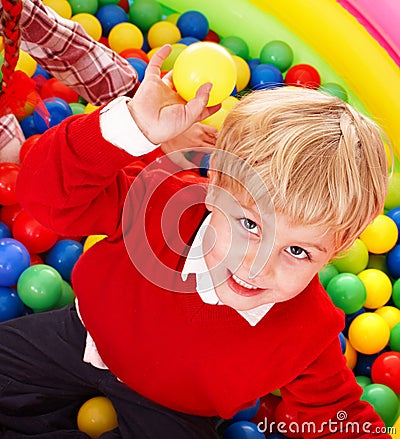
point(196, 264)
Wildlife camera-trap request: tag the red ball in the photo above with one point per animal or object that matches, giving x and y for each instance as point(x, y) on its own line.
point(54, 88)
point(212, 36)
point(36, 237)
point(9, 213)
point(386, 370)
point(36, 259)
point(289, 420)
point(266, 411)
point(303, 75)
point(135, 53)
point(124, 4)
point(8, 179)
point(27, 145)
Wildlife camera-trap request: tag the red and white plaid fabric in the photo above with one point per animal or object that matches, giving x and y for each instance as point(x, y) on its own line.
point(68, 53)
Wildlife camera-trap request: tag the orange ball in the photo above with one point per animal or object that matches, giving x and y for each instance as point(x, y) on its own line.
point(96, 416)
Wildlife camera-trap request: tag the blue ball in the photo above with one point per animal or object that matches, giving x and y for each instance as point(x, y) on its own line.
point(14, 259)
point(247, 414)
point(139, 65)
point(193, 24)
point(204, 165)
point(109, 16)
point(188, 40)
point(342, 342)
point(265, 76)
point(253, 63)
point(28, 127)
point(393, 262)
point(349, 318)
point(58, 111)
point(63, 256)
point(243, 430)
point(5, 231)
point(364, 364)
point(11, 305)
point(276, 436)
point(394, 214)
point(41, 71)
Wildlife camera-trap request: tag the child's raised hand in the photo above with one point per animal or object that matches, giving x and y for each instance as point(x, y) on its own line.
point(159, 112)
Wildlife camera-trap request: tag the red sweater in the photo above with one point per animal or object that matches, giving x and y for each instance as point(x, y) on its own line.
point(171, 347)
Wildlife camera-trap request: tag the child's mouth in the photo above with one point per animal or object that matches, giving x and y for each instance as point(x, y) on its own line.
point(239, 286)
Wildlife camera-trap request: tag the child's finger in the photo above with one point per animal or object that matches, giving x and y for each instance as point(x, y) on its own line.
point(155, 63)
point(195, 107)
point(167, 79)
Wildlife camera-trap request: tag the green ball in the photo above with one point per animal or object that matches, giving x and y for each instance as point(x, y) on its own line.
point(384, 401)
point(236, 46)
point(67, 295)
point(393, 193)
point(88, 6)
point(396, 293)
point(335, 90)
point(77, 108)
point(278, 54)
point(144, 13)
point(378, 262)
point(347, 292)
point(363, 381)
point(327, 273)
point(394, 340)
point(107, 2)
point(40, 287)
point(354, 260)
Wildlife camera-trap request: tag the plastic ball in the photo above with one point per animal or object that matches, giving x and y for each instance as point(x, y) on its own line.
point(217, 119)
point(243, 430)
point(326, 273)
point(378, 262)
point(347, 292)
point(381, 235)
point(248, 413)
point(63, 256)
point(89, 108)
point(236, 46)
point(205, 62)
point(394, 340)
point(172, 18)
point(335, 90)
point(96, 416)
point(90, 23)
point(169, 62)
point(26, 63)
point(378, 286)
point(135, 53)
point(79, 6)
point(268, 405)
point(125, 36)
point(62, 7)
point(350, 355)
point(364, 364)
point(369, 333)
point(342, 340)
point(14, 259)
point(58, 111)
point(91, 240)
point(5, 231)
point(67, 295)
point(386, 370)
point(353, 260)
point(187, 41)
point(139, 65)
point(265, 76)
point(303, 75)
point(363, 381)
point(162, 33)
point(383, 399)
point(393, 263)
point(27, 145)
point(391, 315)
point(109, 16)
point(77, 108)
point(278, 54)
point(40, 287)
point(193, 24)
point(394, 214)
point(144, 13)
point(28, 127)
point(393, 193)
point(11, 305)
point(107, 2)
point(33, 235)
point(289, 417)
point(54, 88)
point(8, 214)
point(243, 72)
point(8, 179)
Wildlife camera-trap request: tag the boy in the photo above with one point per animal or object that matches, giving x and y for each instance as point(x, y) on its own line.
point(190, 315)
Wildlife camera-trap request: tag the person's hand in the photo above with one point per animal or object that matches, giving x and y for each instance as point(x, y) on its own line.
point(197, 137)
point(159, 112)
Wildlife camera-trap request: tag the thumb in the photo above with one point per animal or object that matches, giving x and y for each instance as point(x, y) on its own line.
point(196, 106)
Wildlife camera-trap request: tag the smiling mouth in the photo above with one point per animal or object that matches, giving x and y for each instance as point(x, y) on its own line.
point(242, 288)
point(242, 283)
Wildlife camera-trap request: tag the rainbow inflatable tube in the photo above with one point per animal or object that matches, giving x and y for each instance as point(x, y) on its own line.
point(326, 35)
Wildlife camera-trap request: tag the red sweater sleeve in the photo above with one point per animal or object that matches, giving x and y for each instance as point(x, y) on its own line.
point(71, 180)
point(326, 395)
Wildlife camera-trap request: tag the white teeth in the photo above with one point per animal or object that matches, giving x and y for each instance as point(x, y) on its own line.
point(243, 283)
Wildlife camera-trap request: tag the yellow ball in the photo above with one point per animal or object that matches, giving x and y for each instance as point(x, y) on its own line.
point(163, 32)
point(96, 416)
point(173, 18)
point(369, 333)
point(91, 240)
point(351, 355)
point(391, 314)
point(217, 119)
point(1, 44)
point(381, 235)
point(90, 108)
point(201, 63)
point(61, 7)
point(125, 36)
point(90, 23)
point(26, 63)
point(378, 286)
point(243, 72)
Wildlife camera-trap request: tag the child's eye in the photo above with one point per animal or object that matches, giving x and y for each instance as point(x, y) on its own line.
point(297, 252)
point(249, 225)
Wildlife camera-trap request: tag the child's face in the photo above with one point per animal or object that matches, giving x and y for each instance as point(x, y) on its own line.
point(237, 244)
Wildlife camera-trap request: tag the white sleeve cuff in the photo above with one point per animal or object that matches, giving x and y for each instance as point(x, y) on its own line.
point(118, 127)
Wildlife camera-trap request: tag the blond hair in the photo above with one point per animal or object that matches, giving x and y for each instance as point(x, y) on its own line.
point(322, 162)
